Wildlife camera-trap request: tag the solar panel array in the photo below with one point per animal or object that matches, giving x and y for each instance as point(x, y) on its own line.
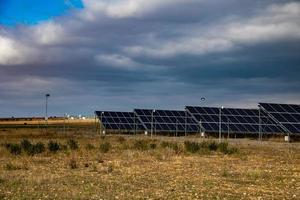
point(119, 120)
point(167, 120)
point(271, 118)
point(233, 120)
point(288, 115)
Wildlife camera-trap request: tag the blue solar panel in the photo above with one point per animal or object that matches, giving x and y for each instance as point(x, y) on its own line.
point(287, 115)
point(119, 120)
point(167, 120)
point(233, 120)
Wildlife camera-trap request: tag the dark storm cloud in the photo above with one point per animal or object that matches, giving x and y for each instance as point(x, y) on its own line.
point(163, 54)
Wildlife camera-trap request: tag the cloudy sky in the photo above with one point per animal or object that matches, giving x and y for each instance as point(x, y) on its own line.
point(124, 54)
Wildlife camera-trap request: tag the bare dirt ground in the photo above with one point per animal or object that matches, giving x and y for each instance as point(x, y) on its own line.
point(259, 170)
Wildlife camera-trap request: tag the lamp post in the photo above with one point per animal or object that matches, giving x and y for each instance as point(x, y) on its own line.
point(46, 114)
point(152, 113)
point(220, 123)
point(200, 121)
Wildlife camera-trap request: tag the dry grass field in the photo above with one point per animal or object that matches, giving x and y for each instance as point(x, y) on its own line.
point(138, 167)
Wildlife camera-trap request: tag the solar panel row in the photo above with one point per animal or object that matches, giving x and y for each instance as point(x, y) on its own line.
point(119, 120)
point(167, 120)
point(270, 119)
point(233, 120)
point(286, 115)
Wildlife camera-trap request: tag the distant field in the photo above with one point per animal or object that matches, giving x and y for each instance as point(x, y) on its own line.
point(137, 167)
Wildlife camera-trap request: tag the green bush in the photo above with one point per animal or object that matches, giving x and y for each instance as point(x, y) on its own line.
point(39, 148)
point(140, 145)
point(89, 146)
point(172, 145)
point(14, 149)
point(152, 146)
point(73, 164)
point(73, 144)
point(10, 167)
point(26, 145)
point(192, 147)
point(213, 146)
point(53, 146)
point(105, 147)
point(121, 139)
point(32, 149)
point(223, 147)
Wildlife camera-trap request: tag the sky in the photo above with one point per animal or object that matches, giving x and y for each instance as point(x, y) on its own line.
point(124, 54)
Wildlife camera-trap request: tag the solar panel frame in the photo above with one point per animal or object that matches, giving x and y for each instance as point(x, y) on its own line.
point(122, 121)
point(167, 120)
point(287, 115)
point(233, 120)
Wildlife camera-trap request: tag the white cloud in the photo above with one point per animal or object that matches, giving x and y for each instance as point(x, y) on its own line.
point(49, 33)
point(116, 60)
point(12, 52)
point(125, 8)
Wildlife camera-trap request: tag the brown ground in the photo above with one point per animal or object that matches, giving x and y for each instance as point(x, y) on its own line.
point(260, 170)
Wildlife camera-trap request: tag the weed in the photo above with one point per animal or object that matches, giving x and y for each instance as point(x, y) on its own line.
point(73, 144)
point(14, 149)
point(73, 164)
point(192, 147)
point(213, 146)
point(39, 147)
point(11, 167)
point(172, 145)
point(26, 145)
point(152, 146)
point(225, 173)
point(105, 147)
point(89, 146)
point(121, 139)
point(53, 146)
point(140, 145)
point(110, 169)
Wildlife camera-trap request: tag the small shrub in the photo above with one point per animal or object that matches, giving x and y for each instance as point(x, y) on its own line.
point(152, 146)
point(89, 146)
point(223, 147)
point(110, 169)
point(232, 150)
point(174, 146)
point(63, 147)
point(73, 144)
point(11, 167)
point(213, 146)
point(105, 147)
point(1, 181)
point(73, 164)
point(191, 147)
point(39, 148)
point(53, 146)
point(121, 139)
point(26, 145)
point(14, 149)
point(164, 144)
point(140, 145)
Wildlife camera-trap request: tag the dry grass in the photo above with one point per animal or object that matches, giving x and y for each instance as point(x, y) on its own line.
point(267, 170)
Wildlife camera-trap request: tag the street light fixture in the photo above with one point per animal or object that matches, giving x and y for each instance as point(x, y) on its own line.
point(220, 123)
point(200, 121)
